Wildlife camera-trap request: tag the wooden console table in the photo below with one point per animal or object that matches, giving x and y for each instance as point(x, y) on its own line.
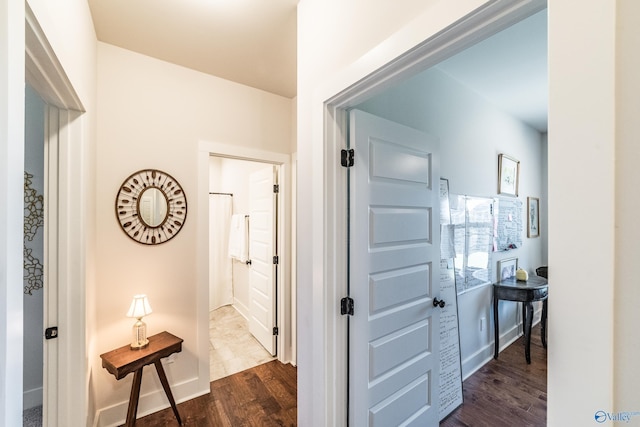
point(534, 289)
point(124, 360)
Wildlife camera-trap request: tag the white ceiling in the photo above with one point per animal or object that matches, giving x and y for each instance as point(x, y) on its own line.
point(253, 42)
point(509, 69)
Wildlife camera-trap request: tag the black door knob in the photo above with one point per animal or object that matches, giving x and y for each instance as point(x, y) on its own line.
point(438, 302)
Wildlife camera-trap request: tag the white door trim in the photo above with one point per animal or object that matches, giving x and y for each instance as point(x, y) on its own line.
point(286, 315)
point(330, 107)
point(64, 402)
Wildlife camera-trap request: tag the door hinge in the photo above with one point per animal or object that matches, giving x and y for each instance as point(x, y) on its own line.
point(346, 158)
point(275, 259)
point(346, 306)
point(51, 333)
point(276, 188)
point(275, 330)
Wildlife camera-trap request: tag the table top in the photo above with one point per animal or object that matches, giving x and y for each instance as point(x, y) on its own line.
point(533, 282)
point(124, 360)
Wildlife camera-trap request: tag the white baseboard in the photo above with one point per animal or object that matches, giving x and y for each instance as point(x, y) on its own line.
point(242, 309)
point(481, 357)
point(32, 398)
point(149, 403)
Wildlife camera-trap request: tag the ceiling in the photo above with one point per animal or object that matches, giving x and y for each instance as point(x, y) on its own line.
point(509, 69)
point(253, 42)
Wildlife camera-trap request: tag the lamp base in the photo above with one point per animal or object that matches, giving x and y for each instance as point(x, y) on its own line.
point(139, 339)
point(139, 345)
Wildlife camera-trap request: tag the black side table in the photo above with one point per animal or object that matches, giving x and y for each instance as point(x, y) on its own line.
point(535, 288)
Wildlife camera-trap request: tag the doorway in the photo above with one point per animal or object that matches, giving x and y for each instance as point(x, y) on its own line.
point(285, 315)
point(335, 120)
point(243, 247)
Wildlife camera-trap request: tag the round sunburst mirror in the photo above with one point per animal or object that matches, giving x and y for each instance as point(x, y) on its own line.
point(151, 207)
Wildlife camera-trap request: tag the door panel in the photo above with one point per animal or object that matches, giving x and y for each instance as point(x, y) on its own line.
point(262, 249)
point(394, 262)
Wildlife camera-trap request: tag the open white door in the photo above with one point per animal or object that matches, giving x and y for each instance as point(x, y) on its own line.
point(263, 255)
point(393, 272)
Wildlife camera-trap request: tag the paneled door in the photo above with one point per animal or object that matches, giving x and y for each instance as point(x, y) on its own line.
point(263, 255)
point(394, 247)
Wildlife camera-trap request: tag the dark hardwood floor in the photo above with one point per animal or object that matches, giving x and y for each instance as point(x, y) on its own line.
point(506, 392)
point(263, 396)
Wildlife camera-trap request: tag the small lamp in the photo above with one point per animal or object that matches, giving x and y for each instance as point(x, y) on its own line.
point(139, 308)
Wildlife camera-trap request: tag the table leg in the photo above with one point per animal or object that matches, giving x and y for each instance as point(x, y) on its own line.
point(133, 399)
point(543, 320)
point(167, 390)
point(528, 320)
point(496, 327)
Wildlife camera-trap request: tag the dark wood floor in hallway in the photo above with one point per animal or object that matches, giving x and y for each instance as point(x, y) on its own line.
point(263, 396)
point(506, 392)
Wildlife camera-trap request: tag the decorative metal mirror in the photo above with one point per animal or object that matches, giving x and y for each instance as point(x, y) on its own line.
point(151, 207)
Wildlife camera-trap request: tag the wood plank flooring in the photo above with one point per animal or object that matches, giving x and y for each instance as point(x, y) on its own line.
point(506, 392)
point(263, 396)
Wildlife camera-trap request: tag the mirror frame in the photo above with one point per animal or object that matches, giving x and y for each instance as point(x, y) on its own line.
point(128, 210)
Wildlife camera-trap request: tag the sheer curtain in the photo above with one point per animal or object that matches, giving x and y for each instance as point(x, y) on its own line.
point(220, 272)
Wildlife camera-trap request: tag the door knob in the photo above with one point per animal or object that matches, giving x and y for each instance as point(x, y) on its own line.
point(438, 302)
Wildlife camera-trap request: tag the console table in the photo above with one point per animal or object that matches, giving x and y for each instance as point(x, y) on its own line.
point(534, 289)
point(124, 360)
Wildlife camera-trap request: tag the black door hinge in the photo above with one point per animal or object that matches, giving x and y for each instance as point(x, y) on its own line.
point(275, 330)
point(346, 158)
point(276, 188)
point(346, 306)
point(51, 332)
point(275, 259)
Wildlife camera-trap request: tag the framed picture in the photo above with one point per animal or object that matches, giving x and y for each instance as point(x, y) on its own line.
point(533, 217)
point(507, 268)
point(508, 175)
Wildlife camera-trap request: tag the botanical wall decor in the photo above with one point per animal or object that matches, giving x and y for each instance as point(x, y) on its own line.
point(33, 221)
point(508, 175)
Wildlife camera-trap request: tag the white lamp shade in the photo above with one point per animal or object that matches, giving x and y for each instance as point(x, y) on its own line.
point(139, 307)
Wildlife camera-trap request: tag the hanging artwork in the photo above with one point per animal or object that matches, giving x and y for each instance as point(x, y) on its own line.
point(33, 222)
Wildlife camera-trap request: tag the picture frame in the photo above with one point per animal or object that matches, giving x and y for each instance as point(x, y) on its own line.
point(508, 175)
point(533, 217)
point(507, 268)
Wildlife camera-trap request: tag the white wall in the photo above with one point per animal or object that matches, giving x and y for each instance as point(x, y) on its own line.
point(11, 208)
point(627, 291)
point(153, 115)
point(472, 132)
point(33, 309)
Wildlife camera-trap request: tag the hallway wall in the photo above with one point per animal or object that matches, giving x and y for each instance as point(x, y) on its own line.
point(154, 115)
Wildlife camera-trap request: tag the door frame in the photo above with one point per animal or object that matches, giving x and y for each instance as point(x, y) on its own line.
point(332, 103)
point(286, 316)
point(64, 281)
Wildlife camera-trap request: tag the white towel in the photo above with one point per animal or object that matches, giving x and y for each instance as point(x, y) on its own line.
point(239, 238)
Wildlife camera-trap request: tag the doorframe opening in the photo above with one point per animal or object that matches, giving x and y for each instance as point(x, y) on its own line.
point(64, 282)
point(483, 22)
point(286, 317)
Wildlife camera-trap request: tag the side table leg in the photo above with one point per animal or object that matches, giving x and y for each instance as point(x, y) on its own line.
point(528, 320)
point(167, 390)
point(496, 327)
point(543, 320)
point(133, 399)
